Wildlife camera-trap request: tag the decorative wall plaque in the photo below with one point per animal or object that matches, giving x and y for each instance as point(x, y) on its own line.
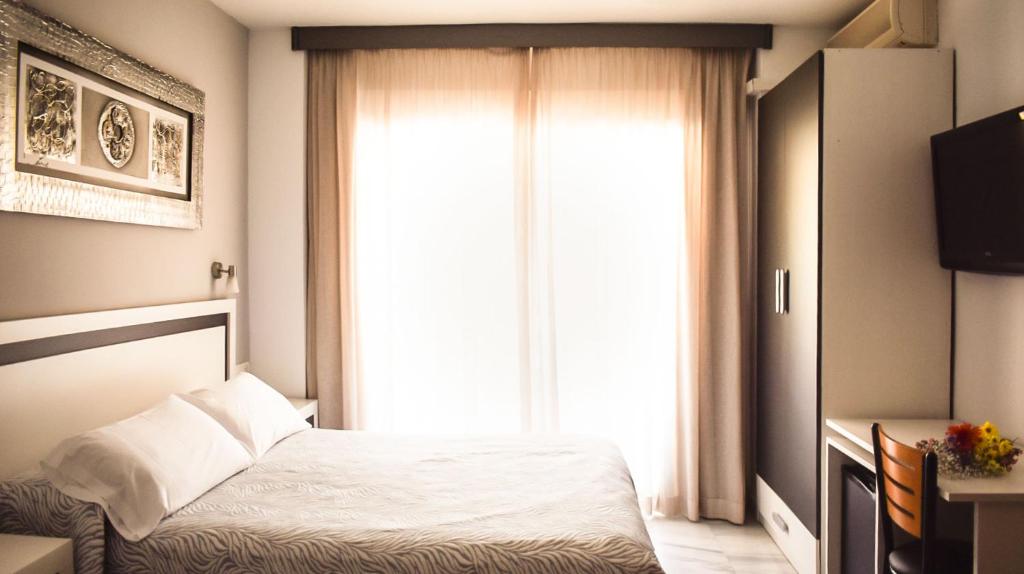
point(117, 133)
point(168, 152)
point(51, 130)
point(87, 131)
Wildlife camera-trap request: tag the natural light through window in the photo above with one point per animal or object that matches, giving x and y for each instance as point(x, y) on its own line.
point(520, 256)
point(617, 226)
point(436, 272)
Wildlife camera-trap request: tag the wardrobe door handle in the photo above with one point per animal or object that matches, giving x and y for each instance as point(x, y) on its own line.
point(778, 291)
point(784, 304)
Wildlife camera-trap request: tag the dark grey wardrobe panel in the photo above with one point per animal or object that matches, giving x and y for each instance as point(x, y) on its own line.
point(788, 241)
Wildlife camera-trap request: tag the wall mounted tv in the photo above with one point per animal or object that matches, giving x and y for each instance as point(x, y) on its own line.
point(979, 194)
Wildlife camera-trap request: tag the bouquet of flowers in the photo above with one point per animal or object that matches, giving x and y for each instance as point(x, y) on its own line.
point(972, 451)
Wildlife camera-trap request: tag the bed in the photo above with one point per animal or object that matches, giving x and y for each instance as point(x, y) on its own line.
point(320, 500)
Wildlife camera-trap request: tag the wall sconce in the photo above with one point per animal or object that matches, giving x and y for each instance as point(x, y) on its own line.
point(218, 270)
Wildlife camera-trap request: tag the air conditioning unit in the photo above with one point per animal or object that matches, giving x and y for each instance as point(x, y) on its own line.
point(891, 24)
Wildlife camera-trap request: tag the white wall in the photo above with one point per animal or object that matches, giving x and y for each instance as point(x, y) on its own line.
point(990, 309)
point(277, 211)
point(57, 265)
point(791, 46)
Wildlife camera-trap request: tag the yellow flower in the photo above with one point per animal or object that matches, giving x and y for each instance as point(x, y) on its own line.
point(989, 430)
point(1005, 447)
point(983, 449)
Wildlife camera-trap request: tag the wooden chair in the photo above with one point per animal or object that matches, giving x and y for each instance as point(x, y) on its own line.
point(907, 495)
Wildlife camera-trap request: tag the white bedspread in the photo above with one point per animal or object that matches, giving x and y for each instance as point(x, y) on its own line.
point(340, 501)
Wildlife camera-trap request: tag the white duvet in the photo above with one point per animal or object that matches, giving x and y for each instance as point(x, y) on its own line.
point(341, 501)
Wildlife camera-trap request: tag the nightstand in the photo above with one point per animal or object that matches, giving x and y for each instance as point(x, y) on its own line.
point(308, 409)
point(35, 555)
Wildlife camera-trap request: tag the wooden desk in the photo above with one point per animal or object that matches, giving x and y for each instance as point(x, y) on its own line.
point(998, 502)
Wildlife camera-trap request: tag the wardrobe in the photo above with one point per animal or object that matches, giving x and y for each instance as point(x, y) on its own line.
point(853, 310)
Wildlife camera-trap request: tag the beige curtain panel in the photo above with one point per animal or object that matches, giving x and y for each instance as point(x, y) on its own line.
point(539, 240)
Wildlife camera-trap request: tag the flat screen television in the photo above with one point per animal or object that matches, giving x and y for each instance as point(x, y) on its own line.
point(978, 173)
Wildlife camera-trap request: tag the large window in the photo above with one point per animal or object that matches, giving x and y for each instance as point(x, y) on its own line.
point(439, 151)
point(541, 241)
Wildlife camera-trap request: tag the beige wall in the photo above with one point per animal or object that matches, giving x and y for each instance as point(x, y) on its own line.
point(990, 309)
point(54, 265)
point(277, 211)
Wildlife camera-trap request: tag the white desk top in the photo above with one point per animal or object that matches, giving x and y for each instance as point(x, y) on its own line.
point(1006, 488)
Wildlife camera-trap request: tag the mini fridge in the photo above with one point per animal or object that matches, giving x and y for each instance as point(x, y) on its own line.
point(859, 529)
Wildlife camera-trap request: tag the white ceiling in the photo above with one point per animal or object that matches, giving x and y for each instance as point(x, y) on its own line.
point(273, 13)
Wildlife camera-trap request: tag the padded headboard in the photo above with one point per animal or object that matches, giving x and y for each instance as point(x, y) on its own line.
point(67, 374)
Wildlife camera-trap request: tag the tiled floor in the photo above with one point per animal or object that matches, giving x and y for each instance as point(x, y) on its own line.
point(715, 546)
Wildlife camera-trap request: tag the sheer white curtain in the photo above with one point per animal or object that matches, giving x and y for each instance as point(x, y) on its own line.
point(435, 280)
point(616, 133)
point(543, 240)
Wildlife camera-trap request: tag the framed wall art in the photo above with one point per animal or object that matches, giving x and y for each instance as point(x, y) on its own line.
point(87, 131)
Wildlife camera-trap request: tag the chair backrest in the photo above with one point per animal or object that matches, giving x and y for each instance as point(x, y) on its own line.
point(907, 490)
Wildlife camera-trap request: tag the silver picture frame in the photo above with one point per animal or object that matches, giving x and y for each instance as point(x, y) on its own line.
point(35, 187)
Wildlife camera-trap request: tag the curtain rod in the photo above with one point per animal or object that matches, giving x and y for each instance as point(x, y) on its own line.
point(533, 35)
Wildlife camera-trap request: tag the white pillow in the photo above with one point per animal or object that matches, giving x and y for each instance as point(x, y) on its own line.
point(252, 411)
point(145, 467)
